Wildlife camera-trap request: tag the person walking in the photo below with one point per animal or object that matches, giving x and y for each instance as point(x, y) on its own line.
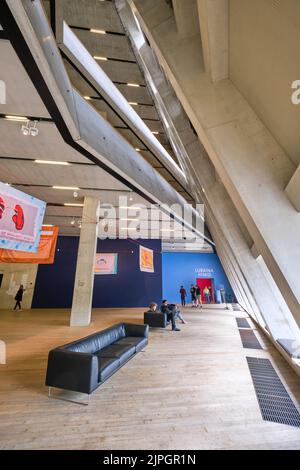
point(182, 295)
point(19, 297)
point(206, 292)
point(198, 297)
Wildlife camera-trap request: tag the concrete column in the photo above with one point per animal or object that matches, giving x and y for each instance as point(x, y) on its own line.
point(186, 17)
point(214, 27)
point(84, 278)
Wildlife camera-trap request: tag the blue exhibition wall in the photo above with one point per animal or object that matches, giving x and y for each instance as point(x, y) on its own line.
point(184, 268)
point(128, 288)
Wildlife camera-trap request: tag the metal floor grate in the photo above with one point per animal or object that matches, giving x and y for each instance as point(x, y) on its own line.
point(242, 323)
point(274, 401)
point(249, 339)
point(236, 307)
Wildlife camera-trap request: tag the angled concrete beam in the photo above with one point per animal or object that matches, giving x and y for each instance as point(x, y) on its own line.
point(80, 125)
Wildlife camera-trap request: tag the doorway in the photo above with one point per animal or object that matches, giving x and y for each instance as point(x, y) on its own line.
point(204, 282)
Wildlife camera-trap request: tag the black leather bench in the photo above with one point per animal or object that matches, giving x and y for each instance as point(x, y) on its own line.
point(83, 365)
point(156, 319)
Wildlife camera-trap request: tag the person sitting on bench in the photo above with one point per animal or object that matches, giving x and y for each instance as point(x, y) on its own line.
point(176, 309)
point(171, 313)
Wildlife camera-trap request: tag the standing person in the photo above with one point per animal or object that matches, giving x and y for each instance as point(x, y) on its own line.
point(206, 292)
point(182, 295)
point(198, 296)
point(193, 295)
point(19, 297)
point(223, 295)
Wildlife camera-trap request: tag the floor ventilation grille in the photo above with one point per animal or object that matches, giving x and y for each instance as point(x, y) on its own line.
point(274, 401)
point(242, 323)
point(249, 339)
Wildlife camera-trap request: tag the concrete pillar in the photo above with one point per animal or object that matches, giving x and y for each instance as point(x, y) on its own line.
point(84, 278)
point(214, 27)
point(186, 17)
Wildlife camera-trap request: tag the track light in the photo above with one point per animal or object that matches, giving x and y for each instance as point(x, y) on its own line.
point(34, 130)
point(25, 128)
point(30, 130)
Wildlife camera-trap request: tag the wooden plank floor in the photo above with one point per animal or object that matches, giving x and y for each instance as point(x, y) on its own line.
point(188, 390)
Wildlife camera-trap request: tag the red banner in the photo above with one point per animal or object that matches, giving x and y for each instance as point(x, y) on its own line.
point(44, 255)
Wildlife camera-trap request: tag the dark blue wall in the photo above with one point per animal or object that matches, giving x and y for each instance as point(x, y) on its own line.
point(184, 268)
point(129, 288)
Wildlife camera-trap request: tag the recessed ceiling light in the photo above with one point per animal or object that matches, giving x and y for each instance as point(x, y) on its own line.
point(133, 103)
point(73, 204)
point(16, 118)
point(155, 132)
point(132, 220)
point(87, 98)
point(133, 84)
point(97, 31)
point(73, 188)
point(51, 162)
point(97, 57)
point(138, 150)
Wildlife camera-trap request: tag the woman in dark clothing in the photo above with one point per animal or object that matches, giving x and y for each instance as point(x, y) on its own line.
point(19, 297)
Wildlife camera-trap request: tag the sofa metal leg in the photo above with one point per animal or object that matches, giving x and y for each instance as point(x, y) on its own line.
point(69, 399)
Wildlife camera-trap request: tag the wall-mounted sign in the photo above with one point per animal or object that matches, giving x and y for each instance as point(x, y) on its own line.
point(106, 263)
point(21, 218)
point(146, 260)
point(204, 272)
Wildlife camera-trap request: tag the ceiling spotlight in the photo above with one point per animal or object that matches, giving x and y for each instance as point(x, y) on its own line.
point(75, 194)
point(130, 197)
point(34, 130)
point(25, 128)
point(30, 130)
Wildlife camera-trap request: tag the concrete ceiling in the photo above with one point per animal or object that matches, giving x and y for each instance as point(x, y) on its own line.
point(121, 67)
point(19, 152)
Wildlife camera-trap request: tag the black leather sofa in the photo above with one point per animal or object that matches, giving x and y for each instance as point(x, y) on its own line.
point(156, 319)
point(83, 365)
